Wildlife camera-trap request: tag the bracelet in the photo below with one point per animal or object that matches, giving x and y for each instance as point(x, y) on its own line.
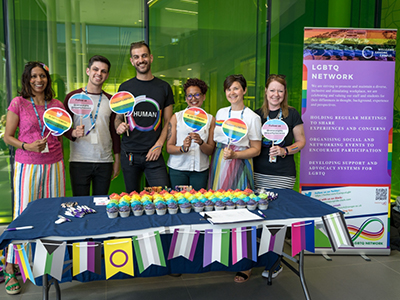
point(22, 146)
point(182, 149)
point(202, 142)
point(287, 151)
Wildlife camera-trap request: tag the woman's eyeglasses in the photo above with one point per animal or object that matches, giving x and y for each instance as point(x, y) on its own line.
point(191, 96)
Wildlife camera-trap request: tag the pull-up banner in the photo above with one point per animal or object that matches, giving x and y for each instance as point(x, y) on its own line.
point(347, 109)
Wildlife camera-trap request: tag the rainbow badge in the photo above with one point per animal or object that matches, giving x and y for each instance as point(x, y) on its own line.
point(234, 129)
point(80, 105)
point(57, 120)
point(122, 103)
point(195, 118)
point(275, 130)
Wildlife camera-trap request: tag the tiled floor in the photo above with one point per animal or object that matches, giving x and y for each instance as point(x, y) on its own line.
point(345, 277)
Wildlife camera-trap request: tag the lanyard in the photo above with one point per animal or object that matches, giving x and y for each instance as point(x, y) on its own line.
point(241, 114)
point(42, 128)
point(278, 117)
point(95, 115)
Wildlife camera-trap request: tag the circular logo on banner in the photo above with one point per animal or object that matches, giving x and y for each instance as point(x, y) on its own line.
point(234, 129)
point(118, 258)
point(80, 105)
point(146, 114)
point(195, 118)
point(275, 130)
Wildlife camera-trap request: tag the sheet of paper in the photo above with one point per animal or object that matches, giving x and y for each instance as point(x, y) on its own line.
point(230, 216)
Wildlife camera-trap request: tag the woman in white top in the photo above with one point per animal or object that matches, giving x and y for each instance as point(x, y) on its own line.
point(189, 151)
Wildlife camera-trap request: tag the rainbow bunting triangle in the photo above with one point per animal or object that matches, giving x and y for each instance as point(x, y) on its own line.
point(23, 262)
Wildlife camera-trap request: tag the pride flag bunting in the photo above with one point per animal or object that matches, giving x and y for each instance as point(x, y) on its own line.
point(86, 256)
point(184, 242)
point(336, 229)
point(118, 257)
point(216, 246)
point(23, 262)
point(244, 244)
point(272, 239)
point(49, 258)
point(303, 237)
point(148, 250)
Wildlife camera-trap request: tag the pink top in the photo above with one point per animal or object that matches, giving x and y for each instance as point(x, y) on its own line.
point(29, 131)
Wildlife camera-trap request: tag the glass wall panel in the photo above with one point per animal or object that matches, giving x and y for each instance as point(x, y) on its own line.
point(64, 35)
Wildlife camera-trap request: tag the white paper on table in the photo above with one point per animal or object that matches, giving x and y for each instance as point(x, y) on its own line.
point(230, 216)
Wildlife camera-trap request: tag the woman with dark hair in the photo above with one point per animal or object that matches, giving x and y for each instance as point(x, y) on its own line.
point(281, 173)
point(39, 166)
point(189, 151)
point(231, 164)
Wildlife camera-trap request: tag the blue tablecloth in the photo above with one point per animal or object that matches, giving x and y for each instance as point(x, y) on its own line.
point(43, 212)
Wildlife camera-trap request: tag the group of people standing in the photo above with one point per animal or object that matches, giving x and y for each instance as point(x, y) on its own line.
point(97, 152)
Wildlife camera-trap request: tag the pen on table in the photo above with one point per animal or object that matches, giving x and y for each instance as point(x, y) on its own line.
point(260, 212)
point(19, 228)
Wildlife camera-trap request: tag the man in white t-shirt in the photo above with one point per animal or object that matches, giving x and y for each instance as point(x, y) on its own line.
point(91, 161)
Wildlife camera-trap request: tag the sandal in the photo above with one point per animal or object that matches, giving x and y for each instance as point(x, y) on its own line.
point(9, 288)
point(242, 277)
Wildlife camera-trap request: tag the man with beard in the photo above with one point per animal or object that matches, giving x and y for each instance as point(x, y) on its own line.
point(91, 154)
point(143, 132)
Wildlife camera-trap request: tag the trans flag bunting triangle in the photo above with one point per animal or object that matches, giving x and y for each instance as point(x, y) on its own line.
point(336, 230)
point(23, 262)
point(118, 257)
point(216, 246)
point(303, 237)
point(244, 244)
point(184, 242)
point(272, 239)
point(86, 256)
point(49, 258)
point(148, 250)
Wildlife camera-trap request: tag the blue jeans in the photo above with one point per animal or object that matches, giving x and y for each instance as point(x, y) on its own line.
point(197, 180)
point(83, 174)
point(155, 171)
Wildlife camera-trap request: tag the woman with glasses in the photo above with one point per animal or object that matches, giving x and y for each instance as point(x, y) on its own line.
point(275, 166)
point(231, 164)
point(189, 151)
point(39, 166)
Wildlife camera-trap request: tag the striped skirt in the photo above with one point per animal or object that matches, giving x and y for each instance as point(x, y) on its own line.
point(230, 174)
point(273, 182)
point(33, 182)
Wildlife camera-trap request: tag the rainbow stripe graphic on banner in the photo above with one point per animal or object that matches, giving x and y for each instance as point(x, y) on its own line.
point(184, 242)
point(304, 90)
point(57, 120)
point(216, 246)
point(303, 237)
point(195, 118)
point(234, 129)
point(23, 262)
point(390, 151)
point(365, 234)
point(122, 103)
point(86, 256)
point(244, 244)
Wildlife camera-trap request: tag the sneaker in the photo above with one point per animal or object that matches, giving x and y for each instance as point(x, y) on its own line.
point(265, 273)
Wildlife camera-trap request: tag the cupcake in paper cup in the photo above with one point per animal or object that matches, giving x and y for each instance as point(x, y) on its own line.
point(240, 204)
point(229, 204)
point(263, 204)
point(219, 205)
point(186, 207)
point(209, 205)
point(112, 211)
point(124, 211)
point(198, 206)
point(161, 208)
point(149, 209)
point(172, 208)
point(251, 204)
point(138, 210)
